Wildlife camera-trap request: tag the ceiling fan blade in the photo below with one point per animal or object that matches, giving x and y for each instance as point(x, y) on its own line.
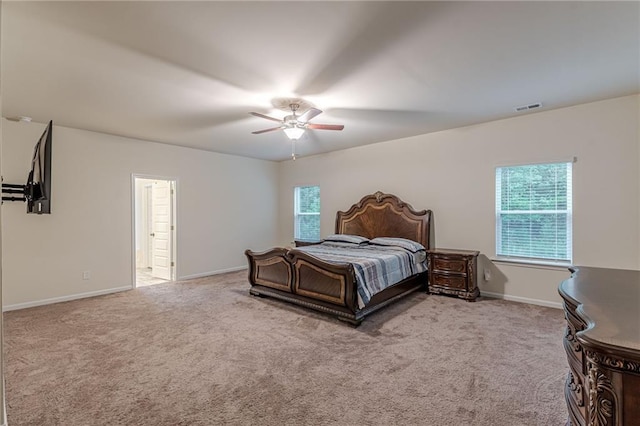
point(309, 114)
point(257, 132)
point(257, 114)
point(325, 126)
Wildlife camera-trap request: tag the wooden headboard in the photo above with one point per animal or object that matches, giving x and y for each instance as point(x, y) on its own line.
point(385, 215)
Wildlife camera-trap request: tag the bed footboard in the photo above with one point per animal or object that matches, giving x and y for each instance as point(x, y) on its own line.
point(302, 279)
point(271, 269)
point(328, 282)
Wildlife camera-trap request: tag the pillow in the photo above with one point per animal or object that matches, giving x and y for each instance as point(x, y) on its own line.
point(410, 245)
point(343, 244)
point(420, 256)
point(346, 238)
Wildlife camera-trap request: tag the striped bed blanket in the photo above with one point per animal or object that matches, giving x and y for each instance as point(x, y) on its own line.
point(376, 267)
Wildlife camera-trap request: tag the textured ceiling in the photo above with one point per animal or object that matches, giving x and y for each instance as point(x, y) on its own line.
point(188, 73)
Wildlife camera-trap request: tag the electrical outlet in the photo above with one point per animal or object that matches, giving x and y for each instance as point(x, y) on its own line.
point(487, 274)
point(86, 275)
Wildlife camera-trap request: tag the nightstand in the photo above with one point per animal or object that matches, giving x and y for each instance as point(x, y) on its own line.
point(453, 272)
point(302, 243)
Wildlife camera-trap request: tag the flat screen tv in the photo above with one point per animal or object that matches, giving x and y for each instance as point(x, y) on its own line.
point(38, 188)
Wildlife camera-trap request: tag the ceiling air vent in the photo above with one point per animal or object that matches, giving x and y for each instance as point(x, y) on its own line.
point(528, 107)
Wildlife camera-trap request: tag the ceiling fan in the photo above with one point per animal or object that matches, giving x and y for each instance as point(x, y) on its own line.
point(294, 125)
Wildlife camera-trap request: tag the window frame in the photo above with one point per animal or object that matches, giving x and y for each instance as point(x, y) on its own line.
point(531, 259)
point(297, 213)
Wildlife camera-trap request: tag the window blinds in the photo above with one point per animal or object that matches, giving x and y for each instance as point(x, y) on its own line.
point(533, 212)
point(307, 213)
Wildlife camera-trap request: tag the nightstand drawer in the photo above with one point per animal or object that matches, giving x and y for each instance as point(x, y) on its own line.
point(449, 265)
point(451, 281)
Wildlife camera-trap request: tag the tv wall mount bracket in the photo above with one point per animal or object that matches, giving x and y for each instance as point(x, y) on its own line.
point(12, 188)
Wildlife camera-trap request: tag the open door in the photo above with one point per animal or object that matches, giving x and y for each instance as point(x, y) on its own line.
point(161, 230)
point(154, 236)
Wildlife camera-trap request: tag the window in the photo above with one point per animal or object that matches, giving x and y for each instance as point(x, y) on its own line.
point(307, 213)
point(533, 212)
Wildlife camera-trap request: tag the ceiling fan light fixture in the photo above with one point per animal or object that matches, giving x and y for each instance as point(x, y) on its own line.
point(294, 125)
point(294, 133)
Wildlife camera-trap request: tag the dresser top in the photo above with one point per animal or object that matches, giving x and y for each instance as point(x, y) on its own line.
point(608, 300)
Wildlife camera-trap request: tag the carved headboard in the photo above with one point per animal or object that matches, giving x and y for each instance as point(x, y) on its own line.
point(385, 215)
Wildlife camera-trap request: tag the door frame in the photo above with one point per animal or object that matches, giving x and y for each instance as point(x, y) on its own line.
point(174, 220)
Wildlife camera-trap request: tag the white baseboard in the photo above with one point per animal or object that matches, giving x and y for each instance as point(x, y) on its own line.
point(63, 298)
point(557, 305)
point(107, 291)
point(218, 272)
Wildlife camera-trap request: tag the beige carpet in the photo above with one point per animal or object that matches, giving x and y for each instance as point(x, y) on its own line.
point(204, 352)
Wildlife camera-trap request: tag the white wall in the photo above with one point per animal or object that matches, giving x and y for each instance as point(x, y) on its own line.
point(225, 205)
point(453, 173)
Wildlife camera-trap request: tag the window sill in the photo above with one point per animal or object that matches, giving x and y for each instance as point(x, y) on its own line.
point(538, 264)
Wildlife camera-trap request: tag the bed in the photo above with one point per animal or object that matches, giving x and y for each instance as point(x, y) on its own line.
point(300, 276)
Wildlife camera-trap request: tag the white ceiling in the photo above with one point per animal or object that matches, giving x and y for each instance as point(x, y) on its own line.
point(188, 73)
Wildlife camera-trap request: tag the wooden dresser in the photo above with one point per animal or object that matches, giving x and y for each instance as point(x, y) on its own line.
point(602, 342)
point(453, 272)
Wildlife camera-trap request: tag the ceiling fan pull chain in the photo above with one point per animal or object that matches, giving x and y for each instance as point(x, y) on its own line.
point(293, 149)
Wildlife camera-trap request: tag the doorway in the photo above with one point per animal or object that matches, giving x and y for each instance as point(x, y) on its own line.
point(154, 230)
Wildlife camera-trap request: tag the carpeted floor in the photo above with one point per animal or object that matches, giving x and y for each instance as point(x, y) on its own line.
point(204, 352)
